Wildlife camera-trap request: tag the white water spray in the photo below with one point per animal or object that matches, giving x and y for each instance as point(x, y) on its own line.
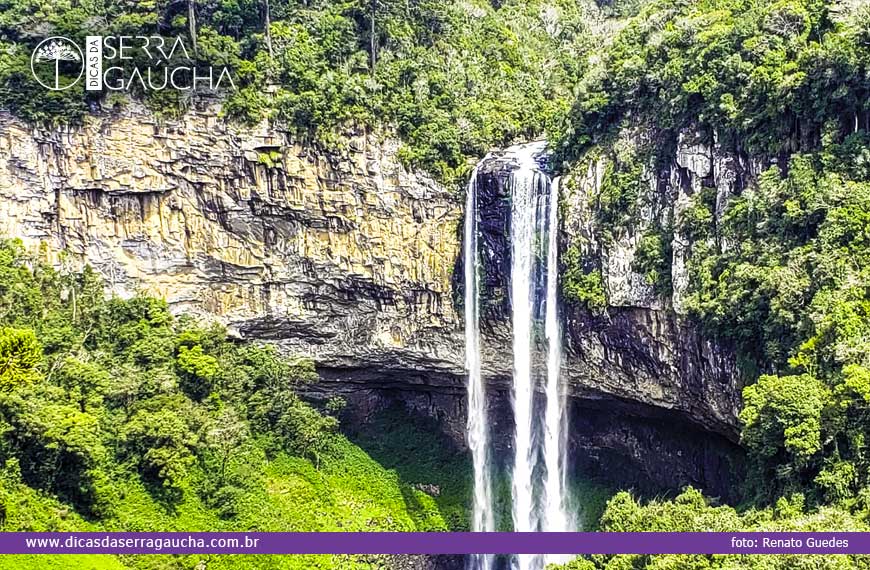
point(477, 429)
point(523, 208)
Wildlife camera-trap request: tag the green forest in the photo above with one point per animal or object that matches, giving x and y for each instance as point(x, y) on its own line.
point(116, 415)
point(786, 271)
point(453, 79)
point(784, 274)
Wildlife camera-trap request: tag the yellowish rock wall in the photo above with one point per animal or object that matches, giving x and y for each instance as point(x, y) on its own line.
point(332, 253)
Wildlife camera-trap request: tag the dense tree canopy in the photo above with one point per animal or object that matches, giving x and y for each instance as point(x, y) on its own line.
point(780, 269)
point(692, 512)
point(452, 78)
point(767, 77)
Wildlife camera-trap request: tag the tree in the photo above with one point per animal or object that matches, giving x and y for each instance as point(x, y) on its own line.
point(373, 43)
point(20, 353)
point(191, 23)
point(224, 436)
point(160, 442)
point(58, 447)
point(267, 27)
point(307, 431)
point(300, 428)
point(199, 370)
point(335, 405)
point(85, 382)
point(782, 419)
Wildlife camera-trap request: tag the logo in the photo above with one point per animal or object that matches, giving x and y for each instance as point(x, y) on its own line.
point(56, 63)
point(124, 63)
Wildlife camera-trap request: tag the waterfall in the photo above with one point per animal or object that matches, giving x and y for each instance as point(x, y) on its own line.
point(556, 514)
point(477, 429)
point(525, 215)
point(539, 493)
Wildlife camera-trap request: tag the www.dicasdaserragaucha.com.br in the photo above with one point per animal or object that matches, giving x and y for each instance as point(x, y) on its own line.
point(156, 544)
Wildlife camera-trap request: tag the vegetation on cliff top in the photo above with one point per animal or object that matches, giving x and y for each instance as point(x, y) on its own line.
point(767, 77)
point(116, 416)
point(453, 78)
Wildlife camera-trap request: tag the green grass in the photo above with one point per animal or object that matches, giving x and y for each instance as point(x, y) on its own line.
point(65, 562)
point(421, 456)
point(377, 482)
point(348, 491)
point(25, 509)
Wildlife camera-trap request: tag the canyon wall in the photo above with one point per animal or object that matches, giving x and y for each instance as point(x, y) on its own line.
point(347, 257)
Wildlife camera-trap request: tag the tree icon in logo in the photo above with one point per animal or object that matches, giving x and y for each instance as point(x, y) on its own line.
point(56, 63)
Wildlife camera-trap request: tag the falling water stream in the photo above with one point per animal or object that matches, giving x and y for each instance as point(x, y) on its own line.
point(523, 217)
point(478, 431)
point(539, 495)
point(556, 513)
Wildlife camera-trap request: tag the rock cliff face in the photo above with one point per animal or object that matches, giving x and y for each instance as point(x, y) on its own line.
point(640, 352)
point(654, 403)
point(645, 339)
point(341, 256)
point(349, 258)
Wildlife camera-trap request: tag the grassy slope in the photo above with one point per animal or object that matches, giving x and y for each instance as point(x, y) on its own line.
point(349, 491)
point(405, 444)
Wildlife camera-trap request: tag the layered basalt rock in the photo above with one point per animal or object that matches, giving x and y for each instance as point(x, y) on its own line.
point(343, 256)
point(640, 353)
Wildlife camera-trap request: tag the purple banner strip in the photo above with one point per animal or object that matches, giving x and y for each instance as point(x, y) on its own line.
point(434, 543)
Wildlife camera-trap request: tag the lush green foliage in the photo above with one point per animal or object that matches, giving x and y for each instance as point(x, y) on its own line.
point(453, 78)
point(781, 269)
point(114, 415)
point(785, 277)
point(653, 258)
point(691, 512)
point(621, 188)
point(769, 76)
point(400, 441)
point(582, 283)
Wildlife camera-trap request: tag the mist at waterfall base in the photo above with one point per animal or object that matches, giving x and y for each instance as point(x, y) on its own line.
point(539, 493)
